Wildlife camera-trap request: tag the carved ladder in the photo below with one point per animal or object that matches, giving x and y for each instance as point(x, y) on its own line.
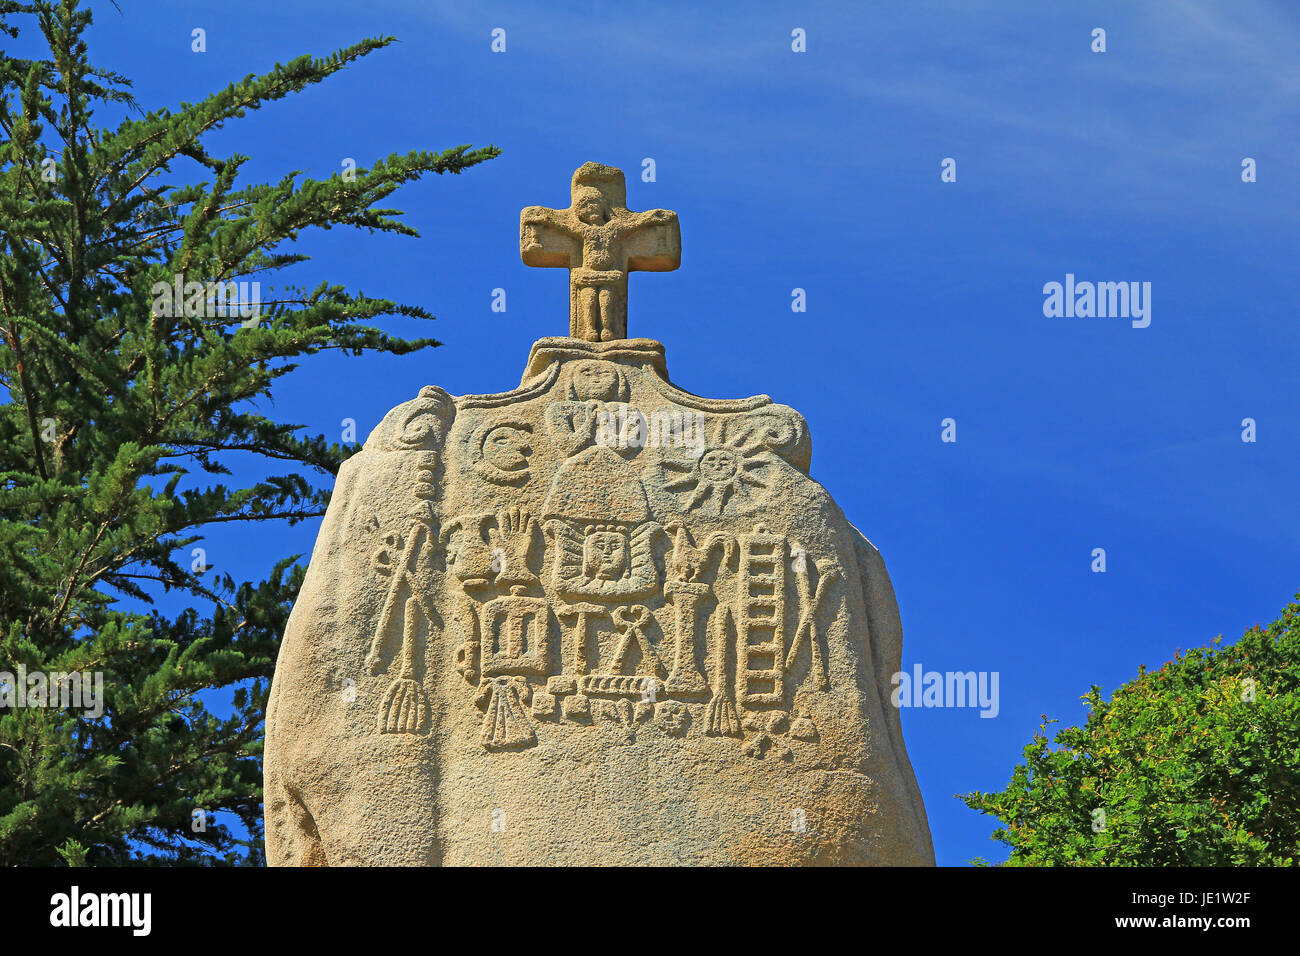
point(760, 618)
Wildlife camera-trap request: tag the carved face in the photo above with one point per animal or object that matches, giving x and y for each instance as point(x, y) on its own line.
point(717, 464)
point(595, 381)
point(672, 717)
point(590, 206)
point(507, 448)
point(605, 555)
point(723, 464)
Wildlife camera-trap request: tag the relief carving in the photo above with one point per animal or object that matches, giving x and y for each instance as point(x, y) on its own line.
point(630, 623)
point(599, 241)
point(402, 631)
point(732, 467)
point(597, 523)
point(597, 391)
point(505, 721)
point(810, 603)
point(513, 535)
point(725, 651)
point(468, 555)
point(408, 616)
point(720, 712)
point(760, 619)
point(500, 450)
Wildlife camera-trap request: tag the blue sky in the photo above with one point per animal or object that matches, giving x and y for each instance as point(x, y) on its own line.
point(821, 170)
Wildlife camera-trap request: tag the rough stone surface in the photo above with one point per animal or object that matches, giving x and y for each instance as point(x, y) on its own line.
point(594, 620)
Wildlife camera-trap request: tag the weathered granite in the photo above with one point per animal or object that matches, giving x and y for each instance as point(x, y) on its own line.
point(594, 620)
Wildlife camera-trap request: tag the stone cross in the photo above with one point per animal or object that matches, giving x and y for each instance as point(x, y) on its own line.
point(599, 240)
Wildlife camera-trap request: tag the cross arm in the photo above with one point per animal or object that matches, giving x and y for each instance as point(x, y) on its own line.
point(654, 241)
point(547, 239)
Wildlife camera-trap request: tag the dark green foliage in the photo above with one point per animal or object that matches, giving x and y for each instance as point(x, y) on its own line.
point(1196, 764)
point(113, 401)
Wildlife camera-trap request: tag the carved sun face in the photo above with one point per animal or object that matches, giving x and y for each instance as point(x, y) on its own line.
point(731, 462)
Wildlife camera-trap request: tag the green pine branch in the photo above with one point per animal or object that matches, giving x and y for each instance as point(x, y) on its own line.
point(119, 400)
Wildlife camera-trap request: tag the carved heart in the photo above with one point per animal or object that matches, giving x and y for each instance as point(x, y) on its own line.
point(634, 616)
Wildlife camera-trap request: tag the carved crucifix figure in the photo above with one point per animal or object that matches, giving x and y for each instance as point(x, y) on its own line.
point(599, 240)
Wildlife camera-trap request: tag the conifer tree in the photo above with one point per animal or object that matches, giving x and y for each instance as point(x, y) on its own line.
point(131, 368)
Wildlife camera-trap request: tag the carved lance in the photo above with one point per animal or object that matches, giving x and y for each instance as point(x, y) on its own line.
point(404, 708)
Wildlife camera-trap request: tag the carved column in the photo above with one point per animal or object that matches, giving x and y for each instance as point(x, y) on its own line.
point(685, 679)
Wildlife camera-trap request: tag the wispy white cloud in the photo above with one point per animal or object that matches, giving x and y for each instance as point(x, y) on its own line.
point(1184, 87)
